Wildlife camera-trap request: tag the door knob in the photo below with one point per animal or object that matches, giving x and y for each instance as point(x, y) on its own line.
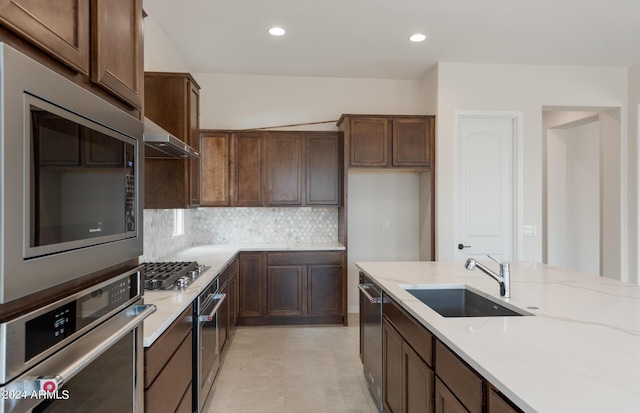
point(461, 246)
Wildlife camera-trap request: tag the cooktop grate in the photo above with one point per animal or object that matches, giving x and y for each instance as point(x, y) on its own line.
point(168, 275)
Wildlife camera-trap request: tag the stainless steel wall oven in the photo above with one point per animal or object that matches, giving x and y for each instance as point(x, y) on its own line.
point(206, 343)
point(81, 353)
point(69, 179)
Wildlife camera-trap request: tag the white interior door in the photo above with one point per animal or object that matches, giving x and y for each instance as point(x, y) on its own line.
point(485, 187)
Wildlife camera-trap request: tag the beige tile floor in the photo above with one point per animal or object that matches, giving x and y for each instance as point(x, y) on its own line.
point(292, 370)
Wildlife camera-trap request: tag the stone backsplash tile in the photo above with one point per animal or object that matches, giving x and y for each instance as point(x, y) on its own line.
point(237, 225)
point(158, 234)
point(242, 225)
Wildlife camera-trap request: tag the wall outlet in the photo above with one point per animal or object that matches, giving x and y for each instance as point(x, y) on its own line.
point(385, 224)
point(530, 230)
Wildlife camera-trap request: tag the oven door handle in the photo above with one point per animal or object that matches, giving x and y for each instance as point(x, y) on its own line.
point(111, 332)
point(137, 313)
point(212, 297)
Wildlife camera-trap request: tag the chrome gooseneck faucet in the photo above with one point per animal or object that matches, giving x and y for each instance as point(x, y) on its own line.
point(503, 279)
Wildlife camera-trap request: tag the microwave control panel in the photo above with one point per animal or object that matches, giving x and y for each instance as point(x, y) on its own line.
point(130, 203)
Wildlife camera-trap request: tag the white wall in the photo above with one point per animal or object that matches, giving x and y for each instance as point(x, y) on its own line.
point(229, 101)
point(428, 86)
point(526, 89)
point(632, 184)
point(160, 54)
point(374, 197)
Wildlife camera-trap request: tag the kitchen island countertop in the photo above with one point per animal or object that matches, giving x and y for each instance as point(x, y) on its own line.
point(170, 304)
point(580, 352)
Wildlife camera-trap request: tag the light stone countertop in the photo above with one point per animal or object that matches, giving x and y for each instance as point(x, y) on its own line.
point(580, 352)
point(170, 304)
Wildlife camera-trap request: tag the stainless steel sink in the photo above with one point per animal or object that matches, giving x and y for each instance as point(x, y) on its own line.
point(461, 301)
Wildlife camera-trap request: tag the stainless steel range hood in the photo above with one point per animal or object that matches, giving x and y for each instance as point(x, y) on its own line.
point(161, 144)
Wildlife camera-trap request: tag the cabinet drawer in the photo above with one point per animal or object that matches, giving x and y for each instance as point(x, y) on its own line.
point(227, 273)
point(167, 391)
point(498, 404)
point(304, 258)
point(185, 403)
point(156, 356)
point(233, 268)
point(446, 401)
point(223, 277)
point(461, 379)
point(417, 336)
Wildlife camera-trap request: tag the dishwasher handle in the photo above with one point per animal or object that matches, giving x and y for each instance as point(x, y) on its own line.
point(364, 288)
point(212, 297)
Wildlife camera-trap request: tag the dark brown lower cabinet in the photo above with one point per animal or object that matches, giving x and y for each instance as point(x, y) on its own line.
point(285, 287)
point(302, 287)
point(461, 379)
point(422, 375)
point(228, 312)
point(498, 404)
point(408, 380)
point(392, 368)
point(223, 318)
point(324, 289)
point(233, 298)
point(418, 379)
point(168, 368)
point(251, 285)
point(446, 402)
point(185, 403)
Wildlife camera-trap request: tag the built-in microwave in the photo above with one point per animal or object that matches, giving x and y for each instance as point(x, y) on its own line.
point(70, 179)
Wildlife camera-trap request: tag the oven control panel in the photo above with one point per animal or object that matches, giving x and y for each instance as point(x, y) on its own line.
point(44, 331)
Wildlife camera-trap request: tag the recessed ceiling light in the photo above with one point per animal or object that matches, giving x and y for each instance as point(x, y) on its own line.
point(418, 37)
point(276, 31)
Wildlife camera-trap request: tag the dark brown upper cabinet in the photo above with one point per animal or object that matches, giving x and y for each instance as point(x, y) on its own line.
point(323, 167)
point(214, 164)
point(172, 102)
point(270, 168)
point(380, 141)
point(102, 40)
point(247, 169)
point(117, 48)
point(60, 28)
point(369, 142)
point(411, 141)
point(285, 176)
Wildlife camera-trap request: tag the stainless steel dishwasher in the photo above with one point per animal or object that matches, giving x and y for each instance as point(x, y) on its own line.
point(206, 341)
point(371, 313)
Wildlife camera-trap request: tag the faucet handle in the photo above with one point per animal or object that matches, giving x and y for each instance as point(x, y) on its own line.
point(502, 264)
point(494, 259)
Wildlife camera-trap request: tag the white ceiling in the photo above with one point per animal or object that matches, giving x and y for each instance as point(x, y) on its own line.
point(369, 38)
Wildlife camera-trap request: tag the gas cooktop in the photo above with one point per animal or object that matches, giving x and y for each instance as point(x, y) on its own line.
point(171, 275)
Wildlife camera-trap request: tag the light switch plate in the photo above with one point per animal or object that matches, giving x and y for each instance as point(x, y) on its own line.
point(530, 230)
